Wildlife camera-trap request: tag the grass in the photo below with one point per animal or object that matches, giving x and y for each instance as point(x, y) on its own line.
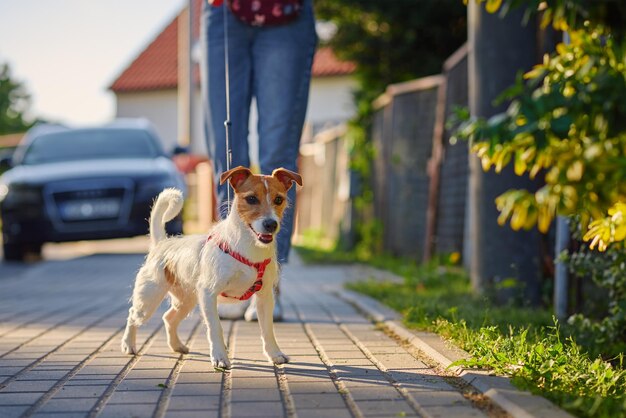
point(524, 343)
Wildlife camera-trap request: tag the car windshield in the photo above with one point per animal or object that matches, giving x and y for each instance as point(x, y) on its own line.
point(90, 145)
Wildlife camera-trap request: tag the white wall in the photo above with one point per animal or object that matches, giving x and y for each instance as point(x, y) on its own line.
point(198, 143)
point(330, 100)
point(157, 106)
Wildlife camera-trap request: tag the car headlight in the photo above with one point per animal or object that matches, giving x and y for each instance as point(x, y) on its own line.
point(19, 195)
point(4, 191)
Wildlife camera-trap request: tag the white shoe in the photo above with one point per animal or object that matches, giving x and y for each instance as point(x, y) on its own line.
point(232, 310)
point(251, 314)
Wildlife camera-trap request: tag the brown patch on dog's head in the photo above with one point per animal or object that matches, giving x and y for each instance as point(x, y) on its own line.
point(237, 176)
point(261, 200)
point(286, 177)
point(258, 196)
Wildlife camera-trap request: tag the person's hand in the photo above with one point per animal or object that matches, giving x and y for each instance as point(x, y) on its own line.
point(215, 3)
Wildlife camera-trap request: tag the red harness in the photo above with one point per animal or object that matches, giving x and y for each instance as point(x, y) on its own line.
point(259, 267)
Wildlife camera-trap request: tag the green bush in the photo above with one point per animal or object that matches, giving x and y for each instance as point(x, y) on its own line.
point(608, 272)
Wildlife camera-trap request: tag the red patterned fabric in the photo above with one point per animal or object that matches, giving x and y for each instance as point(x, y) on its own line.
point(259, 267)
point(265, 12)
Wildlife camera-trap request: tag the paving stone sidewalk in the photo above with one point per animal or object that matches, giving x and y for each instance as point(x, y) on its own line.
point(61, 324)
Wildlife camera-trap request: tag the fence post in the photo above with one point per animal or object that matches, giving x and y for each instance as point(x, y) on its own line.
point(434, 170)
point(499, 49)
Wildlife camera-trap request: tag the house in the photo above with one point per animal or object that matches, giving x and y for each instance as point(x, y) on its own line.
point(148, 87)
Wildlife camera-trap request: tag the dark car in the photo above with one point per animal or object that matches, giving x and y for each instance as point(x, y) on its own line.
point(83, 184)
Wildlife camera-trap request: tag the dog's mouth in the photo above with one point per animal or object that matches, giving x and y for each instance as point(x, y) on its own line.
point(264, 238)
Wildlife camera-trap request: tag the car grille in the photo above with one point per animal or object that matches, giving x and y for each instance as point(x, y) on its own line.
point(94, 204)
point(87, 205)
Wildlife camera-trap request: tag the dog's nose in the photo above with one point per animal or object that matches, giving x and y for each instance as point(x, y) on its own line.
point(270, 225)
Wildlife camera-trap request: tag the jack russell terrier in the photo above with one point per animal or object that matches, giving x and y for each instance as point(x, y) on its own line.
point(236, 260)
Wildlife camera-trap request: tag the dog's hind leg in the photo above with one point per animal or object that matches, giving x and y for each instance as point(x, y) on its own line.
point(182, 305)
point(147, 296)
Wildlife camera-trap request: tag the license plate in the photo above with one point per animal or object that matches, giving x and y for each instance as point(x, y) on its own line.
point(81, 210)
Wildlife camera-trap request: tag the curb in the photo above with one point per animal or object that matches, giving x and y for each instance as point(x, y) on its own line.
point(519, 404)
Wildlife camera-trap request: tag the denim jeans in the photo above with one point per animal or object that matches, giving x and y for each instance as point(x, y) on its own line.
point(272, 64)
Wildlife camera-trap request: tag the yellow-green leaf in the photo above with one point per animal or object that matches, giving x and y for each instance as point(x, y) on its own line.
point(575, 171)
point(492, 6)
point(520, 164)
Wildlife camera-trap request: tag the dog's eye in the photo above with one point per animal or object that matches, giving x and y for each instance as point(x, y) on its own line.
point(278, 200)
point(252, 200)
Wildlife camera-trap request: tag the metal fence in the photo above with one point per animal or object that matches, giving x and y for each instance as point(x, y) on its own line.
point(420, 177)
point(403, 138)
point(453, 170)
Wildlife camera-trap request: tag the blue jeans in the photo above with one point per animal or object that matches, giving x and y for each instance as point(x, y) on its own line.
point(272, 64)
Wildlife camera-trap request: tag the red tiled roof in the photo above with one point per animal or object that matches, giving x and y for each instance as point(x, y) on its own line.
point(156, 67)
point(325, 63)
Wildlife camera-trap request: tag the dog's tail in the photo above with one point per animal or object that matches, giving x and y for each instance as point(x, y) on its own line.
point(167, 206)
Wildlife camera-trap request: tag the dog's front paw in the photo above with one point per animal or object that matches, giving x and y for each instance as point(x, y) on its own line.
point(180, 348)
point(219, 359)
point(128, 348)
point(278, 357)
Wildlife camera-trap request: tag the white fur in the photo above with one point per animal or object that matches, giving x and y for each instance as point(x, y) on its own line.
point(202, 272)
point(169, 203)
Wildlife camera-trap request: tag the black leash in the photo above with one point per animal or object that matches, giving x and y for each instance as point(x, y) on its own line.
point(227, 122)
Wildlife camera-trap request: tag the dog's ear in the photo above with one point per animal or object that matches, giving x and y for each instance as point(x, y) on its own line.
point(287, 177)
point(236, 175)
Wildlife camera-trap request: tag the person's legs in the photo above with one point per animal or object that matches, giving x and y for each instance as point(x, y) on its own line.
point(282, 57)
point(214, 90)
point(214, 104)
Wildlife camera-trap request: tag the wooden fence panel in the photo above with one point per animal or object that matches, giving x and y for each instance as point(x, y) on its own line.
point(324, 197)
point(304, 206)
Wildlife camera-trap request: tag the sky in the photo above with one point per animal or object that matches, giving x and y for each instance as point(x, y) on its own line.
point(68, 52)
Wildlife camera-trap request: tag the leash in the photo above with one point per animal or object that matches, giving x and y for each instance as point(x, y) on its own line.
point(227, 122)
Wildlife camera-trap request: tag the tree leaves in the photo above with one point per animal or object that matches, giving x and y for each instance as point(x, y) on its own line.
point(610, 229)
point(567, 15)
point(14, 102)
point(566, 121)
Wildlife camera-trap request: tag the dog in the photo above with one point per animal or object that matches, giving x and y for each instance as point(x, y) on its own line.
point(235, 260)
